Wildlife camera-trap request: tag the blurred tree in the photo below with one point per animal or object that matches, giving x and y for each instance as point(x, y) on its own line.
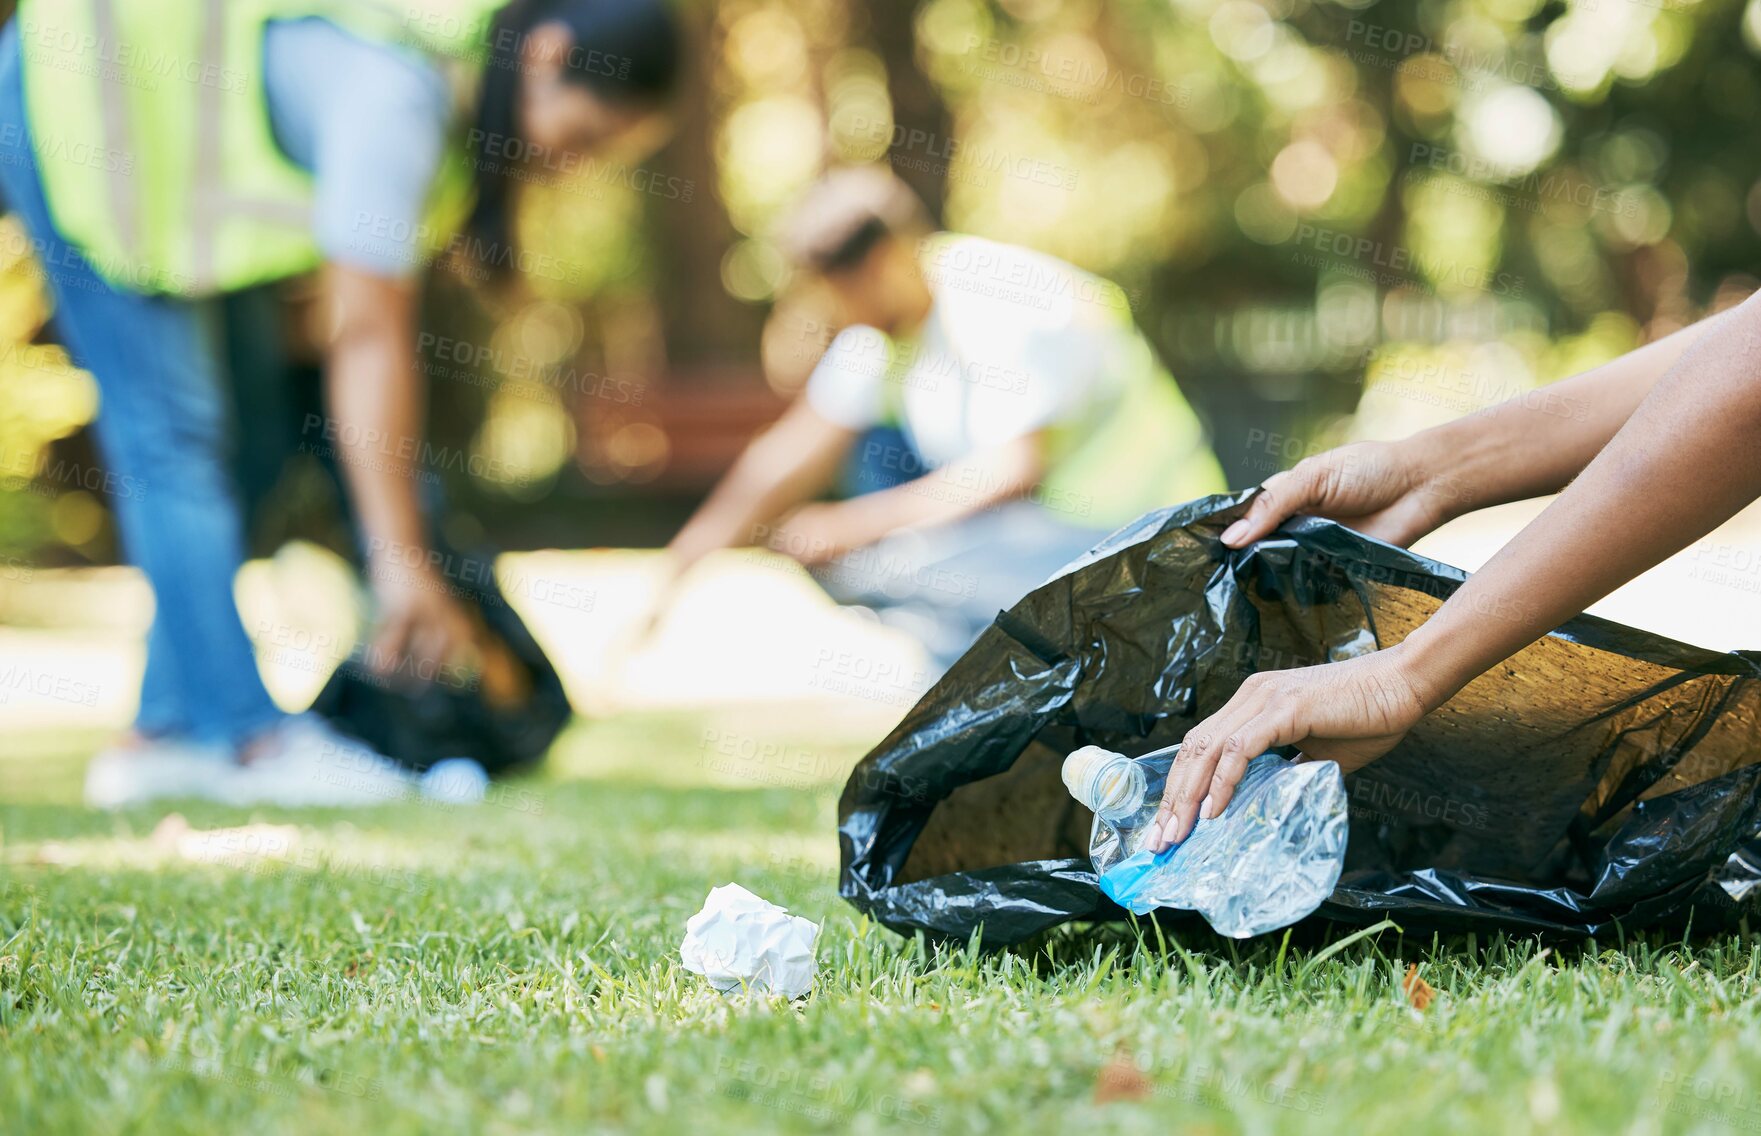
point(918, 110)
point(1334, 217)
point(702, 322)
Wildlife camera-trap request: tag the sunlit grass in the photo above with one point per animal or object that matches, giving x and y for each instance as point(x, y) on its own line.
point(514, 968)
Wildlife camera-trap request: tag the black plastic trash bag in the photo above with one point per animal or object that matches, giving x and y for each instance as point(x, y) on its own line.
point(1601, 776)
point(419, 721)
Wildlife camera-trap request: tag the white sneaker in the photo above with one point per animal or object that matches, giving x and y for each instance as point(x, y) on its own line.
point(151, 769)
point(454, 781)
point(305, 762)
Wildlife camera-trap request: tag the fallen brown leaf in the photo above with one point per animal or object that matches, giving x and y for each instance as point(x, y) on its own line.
point(1120, 1080)
point(1418, 991)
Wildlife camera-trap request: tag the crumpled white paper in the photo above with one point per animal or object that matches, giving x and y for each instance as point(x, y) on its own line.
point(739, 940)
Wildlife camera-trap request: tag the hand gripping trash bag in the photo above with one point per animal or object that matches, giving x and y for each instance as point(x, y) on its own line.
point(419, 722)
point(1602, 776)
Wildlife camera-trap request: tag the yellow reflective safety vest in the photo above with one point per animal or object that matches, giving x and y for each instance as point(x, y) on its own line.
point(151, 131)
point(1141, 451)
point(1134, 446)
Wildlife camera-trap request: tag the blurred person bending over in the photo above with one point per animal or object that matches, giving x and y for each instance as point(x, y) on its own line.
point(171, 153)
point(1035, 419)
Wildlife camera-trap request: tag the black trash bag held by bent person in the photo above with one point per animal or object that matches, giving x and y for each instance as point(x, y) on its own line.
point(1601, 776)
point(420, 722)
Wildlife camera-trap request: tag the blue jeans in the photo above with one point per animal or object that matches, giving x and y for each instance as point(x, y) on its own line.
point(163, 426)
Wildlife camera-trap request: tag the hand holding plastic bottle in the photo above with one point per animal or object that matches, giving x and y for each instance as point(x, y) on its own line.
point(1269, 863)
point(1351, 712)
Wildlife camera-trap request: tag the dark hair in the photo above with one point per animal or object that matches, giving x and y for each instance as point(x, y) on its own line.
point(841, 218)
point(625, 51)
point(853, 249)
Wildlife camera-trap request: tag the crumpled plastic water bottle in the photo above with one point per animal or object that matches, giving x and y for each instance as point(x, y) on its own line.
point(1272, 856)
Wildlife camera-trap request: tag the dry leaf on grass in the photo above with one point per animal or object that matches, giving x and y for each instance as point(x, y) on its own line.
point(1418, 991)
point(1120, 1080)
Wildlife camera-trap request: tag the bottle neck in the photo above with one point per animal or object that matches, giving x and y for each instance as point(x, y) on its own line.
point(1108, 784)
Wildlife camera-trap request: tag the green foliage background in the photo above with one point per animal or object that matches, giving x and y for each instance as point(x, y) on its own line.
point(1335, 219)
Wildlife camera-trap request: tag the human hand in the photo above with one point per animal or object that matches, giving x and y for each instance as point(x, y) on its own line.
point(813, 534)
point(1351, 712)
point(1381, 489)
point(419, 626)
point(668, 584)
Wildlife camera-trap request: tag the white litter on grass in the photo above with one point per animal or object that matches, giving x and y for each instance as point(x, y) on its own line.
point(739, 941)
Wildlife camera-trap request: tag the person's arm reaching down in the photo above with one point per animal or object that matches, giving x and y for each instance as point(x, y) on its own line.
point(374, 391)
point(1685, 462)
point(1526, 447)
point(795, 459)
point(817, 533)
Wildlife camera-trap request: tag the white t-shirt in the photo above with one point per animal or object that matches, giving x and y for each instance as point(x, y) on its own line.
point(1015, 341)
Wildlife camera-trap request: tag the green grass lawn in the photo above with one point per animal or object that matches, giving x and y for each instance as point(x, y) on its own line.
point(514, 968)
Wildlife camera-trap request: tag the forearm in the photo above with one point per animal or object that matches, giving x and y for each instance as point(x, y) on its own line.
point(787, 465)
point(956, 490)
point(374, 393)
point(1685, 462)
point(739, 509)
point(1534, 444)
